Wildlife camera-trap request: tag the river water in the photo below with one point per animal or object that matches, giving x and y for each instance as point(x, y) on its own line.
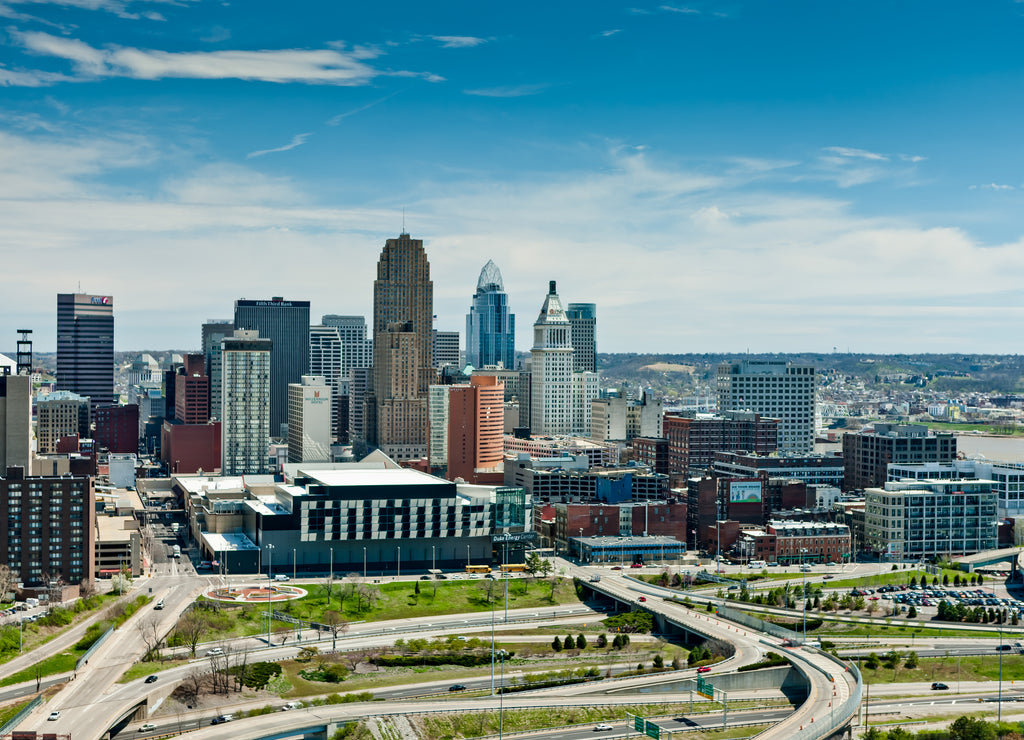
point(1004, 449)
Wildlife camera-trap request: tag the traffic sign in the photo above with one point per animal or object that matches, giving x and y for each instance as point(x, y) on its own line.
point(653, 730)
point(638, 724)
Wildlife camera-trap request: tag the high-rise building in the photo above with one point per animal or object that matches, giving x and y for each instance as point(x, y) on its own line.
point(867, 453)
point(61, 414)
point(551, 365)
point(446, 349)
point(192, 391)
point(327, 360)
point(85, 346)
point(475, 431)
point(286, 325)
point(694, 438)
point(775, 388)
point(245, 416)
point(117, 429)
point(403, 348)
point(437, 410)
point(490, 327)
point(214, 331)
point(583, 319)
point(356, 347)
point(360, 379)
point(309, 420)
point(15, 421)
point(585, 388)
point(517, 385)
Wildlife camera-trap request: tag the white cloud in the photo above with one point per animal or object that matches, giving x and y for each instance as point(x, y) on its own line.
point(612, 32)
point(992, 186)
point(310, 66)
point(509, 91)
point(678, 9)
point(915, 158)
point(297, 140)
point(459, 42)
point(117, 7)
point(850, 153)
point(335, 120)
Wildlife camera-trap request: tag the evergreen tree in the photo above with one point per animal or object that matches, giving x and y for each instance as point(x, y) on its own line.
point(581, 642)
point(556, 644)
point(568, 643)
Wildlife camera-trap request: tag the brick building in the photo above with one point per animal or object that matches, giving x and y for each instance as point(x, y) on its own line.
point(866, 454)
point(694, 440)
point(597, 519)
point(824, 468)
point(117, 428)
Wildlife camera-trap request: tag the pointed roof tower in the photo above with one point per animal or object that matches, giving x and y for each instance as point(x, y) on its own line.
point(551, 312)
point(490, 278)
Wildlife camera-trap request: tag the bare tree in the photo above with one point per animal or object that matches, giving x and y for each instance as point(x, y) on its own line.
point(6, 581)
point(87, 588)
point(337, 624)
point(149, 631)
point(282, 631)
point(487, 587)
point(241, 666)
point(191, 627)
point(328, 585)
point(351, 588)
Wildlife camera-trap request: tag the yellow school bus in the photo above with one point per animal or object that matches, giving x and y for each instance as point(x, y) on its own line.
point(513, 568)
point(478, 569)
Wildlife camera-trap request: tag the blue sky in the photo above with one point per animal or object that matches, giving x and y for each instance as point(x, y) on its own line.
point(716, 176)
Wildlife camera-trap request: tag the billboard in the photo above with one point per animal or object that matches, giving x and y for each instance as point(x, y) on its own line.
point(745, 492)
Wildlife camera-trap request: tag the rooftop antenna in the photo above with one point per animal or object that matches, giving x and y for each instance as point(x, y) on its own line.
point(403, 219)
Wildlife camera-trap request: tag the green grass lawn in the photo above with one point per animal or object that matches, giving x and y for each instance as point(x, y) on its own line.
point(1000, 429)
point(395, 601)
point(9, 711)
point(60, 663)
point(972, 668)
point(35, 635)
point(893, 577)
point(144, 669)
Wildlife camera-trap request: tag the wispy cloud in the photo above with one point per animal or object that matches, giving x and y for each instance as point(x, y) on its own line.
point(509, 91)
point(216, 34)
point(606, 34)
point(992, 186)
point(335, 120)
point(680, 9)
point(297, 140)
point(459, 42)
point(119, 8)
point(845, 151)
point(309, 66)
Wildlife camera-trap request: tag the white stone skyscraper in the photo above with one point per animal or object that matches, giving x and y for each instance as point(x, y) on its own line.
point(773, 388)
point(551, 365)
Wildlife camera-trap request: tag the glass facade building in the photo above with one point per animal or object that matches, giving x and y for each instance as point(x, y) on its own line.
point(85, 346)
point(490, 328)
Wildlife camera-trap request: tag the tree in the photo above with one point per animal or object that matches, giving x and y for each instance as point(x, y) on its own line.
point(149, 631)
point(676, 663)
point(872, 661)
point(911, 612)
point(328, 586)
point(282, 630)
point(602, 641)
point(659, 662)
point(910, 661)
point(336, 625)
point(556, 644)
point(892, 660)
point(971, 728)
point(617, 642)
point(6, 581)
point(546, 568)
point(191, 628)
point(308, 653)
point(486, 586)
point(581, 641)
point(416, 588)
point(569, 643)
point(534, 563)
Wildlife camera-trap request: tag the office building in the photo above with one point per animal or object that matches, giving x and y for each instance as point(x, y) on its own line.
point(915, 520)
point(572, 479)
point(585, 388)
point(583, 320)
point(1007, 478)
point(792, 543)
point(360, 380)
point(819, 469)
point(192, 391)
point(475, 447)
point(666, 518)
point(437, 412)
point(15, 421)
point(357, 347)
point(446, 349)
point(245, 415)
point(597, 454)
point(191, 441)
point(403, 348)
point(781, 390)
point(49, 527)
point(490, 326)
point(85, 346)
point(309, 420)
point(117, 429)
point(327, 360)
point(214, 331)
point(866, 454)
point(286, 325)
point(517, 384)
point(61, 414)
point(551, 367)
point(619, 418)
point(693, 439)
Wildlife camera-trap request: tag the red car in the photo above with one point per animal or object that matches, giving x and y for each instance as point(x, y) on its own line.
point(704, 669)
point(642, 598)
point(616, 567)
point(637, 565)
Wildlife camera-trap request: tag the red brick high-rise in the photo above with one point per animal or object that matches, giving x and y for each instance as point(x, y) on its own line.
point(192, 391)
point(476, 416)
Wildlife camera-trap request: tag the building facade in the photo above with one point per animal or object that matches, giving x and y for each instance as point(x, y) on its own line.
point(286, 325)
point(446, 349)
point(15, 421)
point(583, 320)
point(213, 333)
point(781, 390)
point(915, 520)
point(475, 448)
point(868, 453)
point(693, 439)
point(826, 468)
point(490, 326)
point(117, 429)
point(309, 420)
point(61, 414)
point(551, 367)
point(402, 415)
point(245, 415)
point(327, 360)
point(357, 347)
point(85, 346)
point(192, 391)
point(1007, 478)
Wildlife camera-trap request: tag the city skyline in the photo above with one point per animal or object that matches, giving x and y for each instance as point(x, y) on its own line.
point(792, 177)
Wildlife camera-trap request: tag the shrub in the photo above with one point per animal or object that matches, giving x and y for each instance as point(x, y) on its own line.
point(581, 642)
point(556, 644)
point(569, 643)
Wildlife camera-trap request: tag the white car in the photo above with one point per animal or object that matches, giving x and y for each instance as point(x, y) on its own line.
point(53, 716)
point(147, 726)
point(602, 726)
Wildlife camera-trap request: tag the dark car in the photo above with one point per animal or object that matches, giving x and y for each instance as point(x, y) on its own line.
point(939, 686)
point(150, 679)
point(424, 578)
point(456, 687)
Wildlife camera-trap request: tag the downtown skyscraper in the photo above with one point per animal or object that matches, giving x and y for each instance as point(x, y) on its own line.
point(403, 367)
point(286, 325)
point(551, 367)
point(490, 328)
point(85, 346)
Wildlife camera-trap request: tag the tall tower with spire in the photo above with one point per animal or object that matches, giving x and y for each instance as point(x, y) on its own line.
point(403, 348)
point(551, 364)
point(490, 328)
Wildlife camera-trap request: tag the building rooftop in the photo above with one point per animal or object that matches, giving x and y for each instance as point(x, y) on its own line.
point(654, 539)
point(111, 529)
point(361, 476)
point(228, 542)
point(61, 396)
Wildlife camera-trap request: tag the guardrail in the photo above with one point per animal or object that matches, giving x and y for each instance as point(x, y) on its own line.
point(14, 721)
point(93, 648)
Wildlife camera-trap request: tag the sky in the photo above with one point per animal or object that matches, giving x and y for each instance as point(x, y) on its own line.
point(716, 175)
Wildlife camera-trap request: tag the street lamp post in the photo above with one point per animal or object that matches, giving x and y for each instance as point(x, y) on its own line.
point(999, 616)
point(364, 563)
point(399, 549)
point(433, 557)
point(270, 591)
point(293, 563)
point(467, 557)
point(718, 546)
point(803, 552)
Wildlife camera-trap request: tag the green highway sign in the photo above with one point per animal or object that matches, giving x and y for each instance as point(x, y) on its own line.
point(653, 730)
point(705, 688)
point(638, 724)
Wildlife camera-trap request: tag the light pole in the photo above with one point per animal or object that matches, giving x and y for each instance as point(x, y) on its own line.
point(293, 563)
point(364, 563)
point(718, 546)
point(270, 592)
point(467, 557)
point(433, 557)
point(803, 552)
point(399, 549)
point(999, 616)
